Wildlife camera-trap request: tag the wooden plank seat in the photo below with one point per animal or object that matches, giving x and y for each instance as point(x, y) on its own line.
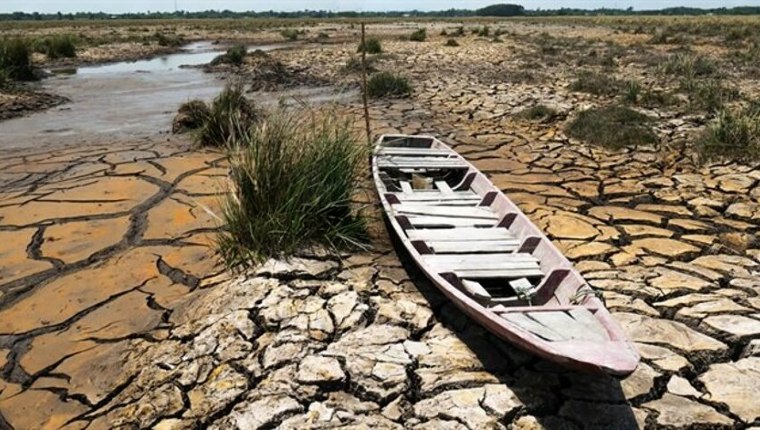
point(443, 187)
point(410, 152)
point(457, 212)
point(434, 197)
point(427, 221)
point(421, 163)
point(559, 325)
point(461, 234)
point(481, 266)
point(473, 246)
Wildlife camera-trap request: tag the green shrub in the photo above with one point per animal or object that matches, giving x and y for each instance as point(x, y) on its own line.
point(600, 84)
point(613, 127)
point(631, 91)
point(171, 40)
point(192, 115)
point(16, 59)
point(354, 65)
point(459, 31)
point(58, 46)
point(444, 33)
point(484, 31)
point(294, 177)
point(419, 35)
point(689, 66)
point(229, 116)
point(5, 80)
point(370, 46)
point(708, 94)
point(235, 55)
point(538, 113)
point(452, 42)
point(733, 135)
point(386, 84)
point(290, 34)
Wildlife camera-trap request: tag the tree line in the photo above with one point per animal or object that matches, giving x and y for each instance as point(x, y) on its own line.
point(497, 10)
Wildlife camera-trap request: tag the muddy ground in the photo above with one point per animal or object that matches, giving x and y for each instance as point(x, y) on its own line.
point(114, 312)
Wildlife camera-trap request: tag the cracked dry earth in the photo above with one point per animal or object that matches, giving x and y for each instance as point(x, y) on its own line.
point(136, 327)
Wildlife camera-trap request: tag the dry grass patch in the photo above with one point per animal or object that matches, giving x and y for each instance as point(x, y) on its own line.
point(613, 127)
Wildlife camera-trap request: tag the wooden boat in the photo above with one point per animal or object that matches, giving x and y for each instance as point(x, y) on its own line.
point(490, 260)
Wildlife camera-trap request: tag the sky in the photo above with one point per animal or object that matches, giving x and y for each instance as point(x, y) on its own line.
point(121, 6)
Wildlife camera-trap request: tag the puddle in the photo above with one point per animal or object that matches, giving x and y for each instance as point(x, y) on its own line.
point(128, 99)
point(191, 55)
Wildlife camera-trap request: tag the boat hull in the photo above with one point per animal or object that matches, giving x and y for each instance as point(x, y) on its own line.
point(615, 356)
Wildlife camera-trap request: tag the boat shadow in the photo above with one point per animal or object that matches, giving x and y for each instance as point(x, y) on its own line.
point(557, 397)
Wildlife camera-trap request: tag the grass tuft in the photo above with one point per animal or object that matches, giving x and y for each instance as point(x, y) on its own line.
point(191, 116)
point(734, 135)
point(234, 55)
point(452, 42)
point(419, 35)
point(171, 40)
point(689, 66)
point(370, 46)
point(58, 46)
point(386, 84)
point(613, 127)
point(708, 94)
point(16, 59)
point(599, 84)
point(539, 112)
point(290, 34)
point(229, 116)
point(294, 177)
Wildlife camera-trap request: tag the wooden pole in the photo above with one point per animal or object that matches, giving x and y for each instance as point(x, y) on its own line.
point(364, 87)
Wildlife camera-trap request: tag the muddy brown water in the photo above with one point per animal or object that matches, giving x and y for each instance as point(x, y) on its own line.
point(128, 99)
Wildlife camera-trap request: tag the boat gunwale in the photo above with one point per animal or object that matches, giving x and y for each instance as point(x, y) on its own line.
point(489, 318)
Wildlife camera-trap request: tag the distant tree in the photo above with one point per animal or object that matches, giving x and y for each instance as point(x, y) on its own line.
point(502, 9)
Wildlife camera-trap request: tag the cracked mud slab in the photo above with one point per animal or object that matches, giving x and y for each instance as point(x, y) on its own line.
point(137, 328)
point(80, 278)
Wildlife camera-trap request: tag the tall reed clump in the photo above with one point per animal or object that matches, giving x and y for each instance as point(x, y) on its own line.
point(235, 55)
point(58, 46)
point(418, 35)
point(229, 115)
point(294, 177)
point(16, 59)
point(734, 135)
point(613, 127)
point(370, 46)
point(387, 84)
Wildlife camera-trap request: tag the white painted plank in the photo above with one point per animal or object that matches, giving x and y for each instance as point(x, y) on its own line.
point(459, 212)
point(443, 187)
point(414, 158)
point(481, 265)
point(563, 323)
point(406, 187)
point(585, 318)
point(475, 289)
point(501, 273)
point(461, 234)
point(423, 197)
point(423, 163)
point(467, 247)
point(534, 327)
point(417, 159)
point(440, 221)
point(481, 259)
point(415, 151)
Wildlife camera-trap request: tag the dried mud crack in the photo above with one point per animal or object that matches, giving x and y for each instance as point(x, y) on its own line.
point(115, 314)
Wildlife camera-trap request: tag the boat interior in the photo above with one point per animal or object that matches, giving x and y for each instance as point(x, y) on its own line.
point(478, 241)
